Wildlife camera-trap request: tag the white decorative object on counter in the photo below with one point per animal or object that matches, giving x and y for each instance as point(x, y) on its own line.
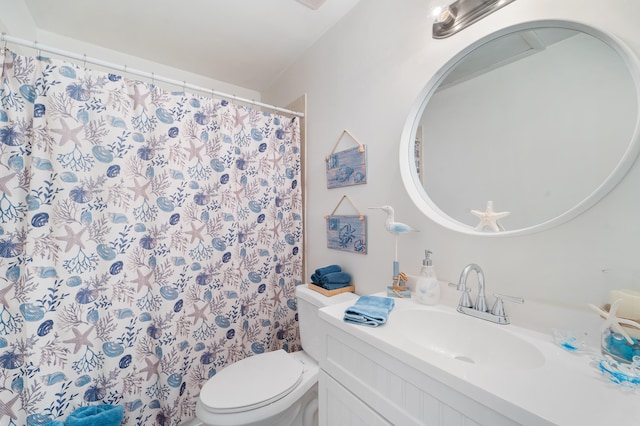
point(427, 286)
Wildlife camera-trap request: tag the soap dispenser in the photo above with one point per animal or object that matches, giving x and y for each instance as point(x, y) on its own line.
point(427, 285)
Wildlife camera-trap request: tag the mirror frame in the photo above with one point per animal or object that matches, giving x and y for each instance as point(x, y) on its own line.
point(407, 162)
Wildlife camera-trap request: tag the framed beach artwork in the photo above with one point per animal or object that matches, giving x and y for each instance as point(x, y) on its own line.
point(347, 232)
point(348, 167)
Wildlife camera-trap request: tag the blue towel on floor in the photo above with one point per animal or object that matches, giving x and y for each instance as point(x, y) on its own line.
point(372, 311)
point(94, 415)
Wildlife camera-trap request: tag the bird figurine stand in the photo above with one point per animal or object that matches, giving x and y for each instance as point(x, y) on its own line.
point(396, 228)
point(399, 288)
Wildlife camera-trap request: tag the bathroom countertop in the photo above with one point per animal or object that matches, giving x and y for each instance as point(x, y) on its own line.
point(564, 390)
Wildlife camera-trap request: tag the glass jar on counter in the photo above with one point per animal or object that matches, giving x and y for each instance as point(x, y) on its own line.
point(618, 347)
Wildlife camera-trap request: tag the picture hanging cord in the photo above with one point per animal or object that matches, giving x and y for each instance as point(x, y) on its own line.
point(345, 197)
point(86, 59)
point(345, 132)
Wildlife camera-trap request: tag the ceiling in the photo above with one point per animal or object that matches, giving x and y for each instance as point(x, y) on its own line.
point(248, 43)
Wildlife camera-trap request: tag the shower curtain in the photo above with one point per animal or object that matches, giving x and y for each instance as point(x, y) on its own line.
point(147, 240)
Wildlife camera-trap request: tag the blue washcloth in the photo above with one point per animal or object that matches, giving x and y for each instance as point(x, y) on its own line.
point(54, 423)
point(318, 276)
point(332, 281)
point(336, 278)
point(327, 270)
point(372, 311)
point(94, 415)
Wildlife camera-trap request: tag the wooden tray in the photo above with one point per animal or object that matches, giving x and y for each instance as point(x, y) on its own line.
point(330, 293)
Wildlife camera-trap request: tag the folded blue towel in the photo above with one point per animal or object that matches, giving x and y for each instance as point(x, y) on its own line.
point(54, 423)
point(327, 270)
point(332, 280)
point(336, 278)
point(92, 415)
point(372, 311)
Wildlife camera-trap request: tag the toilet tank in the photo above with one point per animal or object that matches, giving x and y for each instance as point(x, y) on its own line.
point(309, 302)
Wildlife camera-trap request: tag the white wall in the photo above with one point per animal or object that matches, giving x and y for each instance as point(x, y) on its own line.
point(364, 76)
point(16, 21)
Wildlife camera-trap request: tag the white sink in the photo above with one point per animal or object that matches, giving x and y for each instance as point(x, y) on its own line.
point(466, 339)
point(515, 371)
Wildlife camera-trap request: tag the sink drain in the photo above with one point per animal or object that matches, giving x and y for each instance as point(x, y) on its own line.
point(465, 359)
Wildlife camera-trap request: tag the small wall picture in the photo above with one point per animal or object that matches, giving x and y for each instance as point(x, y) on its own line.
point(347, 233)
point(347, 168)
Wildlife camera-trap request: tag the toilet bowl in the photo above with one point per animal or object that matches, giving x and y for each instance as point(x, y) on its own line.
point(273, 388)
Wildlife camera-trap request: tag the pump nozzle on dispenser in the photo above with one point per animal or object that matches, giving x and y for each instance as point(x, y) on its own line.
point(427, 258)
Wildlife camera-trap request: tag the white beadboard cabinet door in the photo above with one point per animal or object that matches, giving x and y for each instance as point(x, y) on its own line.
point(339, 407)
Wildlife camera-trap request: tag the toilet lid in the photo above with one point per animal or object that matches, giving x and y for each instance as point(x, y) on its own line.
point(252, 382)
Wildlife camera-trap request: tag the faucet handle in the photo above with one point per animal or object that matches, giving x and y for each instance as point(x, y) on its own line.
point(465, 299)
point(498, 308)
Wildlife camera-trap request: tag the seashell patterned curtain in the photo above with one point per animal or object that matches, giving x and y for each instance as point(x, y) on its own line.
point(147, 240)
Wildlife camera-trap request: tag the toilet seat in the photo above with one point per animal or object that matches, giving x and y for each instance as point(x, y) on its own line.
point(252, 383)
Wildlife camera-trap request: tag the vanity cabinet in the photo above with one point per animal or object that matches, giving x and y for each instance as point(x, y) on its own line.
point(362, 385)
point(338, 406)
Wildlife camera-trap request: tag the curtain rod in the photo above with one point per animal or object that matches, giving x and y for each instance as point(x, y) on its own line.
point(86, 59)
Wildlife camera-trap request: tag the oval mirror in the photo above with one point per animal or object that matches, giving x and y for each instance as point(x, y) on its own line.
point(536, 122)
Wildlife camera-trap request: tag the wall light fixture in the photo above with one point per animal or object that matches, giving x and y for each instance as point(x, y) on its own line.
point(450, 19)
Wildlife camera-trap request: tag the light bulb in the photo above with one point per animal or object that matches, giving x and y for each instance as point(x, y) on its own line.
point(446, 16)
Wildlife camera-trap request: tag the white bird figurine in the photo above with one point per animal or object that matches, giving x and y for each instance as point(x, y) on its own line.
point(396, 228)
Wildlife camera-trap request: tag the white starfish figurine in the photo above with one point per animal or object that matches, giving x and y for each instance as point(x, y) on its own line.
point(489, 218)
point(611, 320)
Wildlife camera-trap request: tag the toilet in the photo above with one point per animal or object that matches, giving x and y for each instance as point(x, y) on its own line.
point(273, 388)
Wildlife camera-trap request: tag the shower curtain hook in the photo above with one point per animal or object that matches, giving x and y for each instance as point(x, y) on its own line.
point(4, 45)
point(84, 62)
point(153, 79)
point(184, 87)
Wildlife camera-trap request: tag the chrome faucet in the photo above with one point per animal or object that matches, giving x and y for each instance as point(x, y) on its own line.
point(481, 300)
point(497, 313)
